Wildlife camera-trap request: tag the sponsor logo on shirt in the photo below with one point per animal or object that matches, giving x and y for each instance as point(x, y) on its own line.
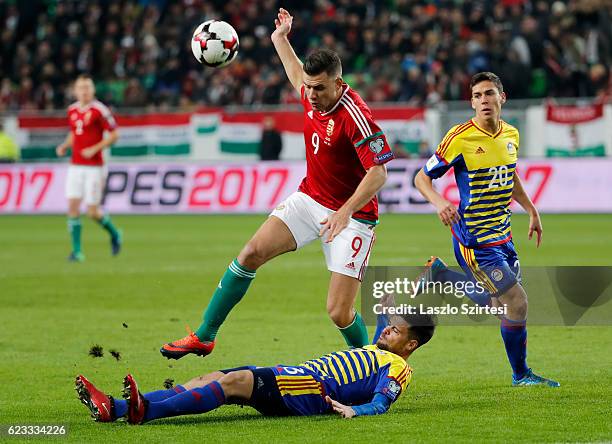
point(310, 114)
point(510, 147)
point(479, 150)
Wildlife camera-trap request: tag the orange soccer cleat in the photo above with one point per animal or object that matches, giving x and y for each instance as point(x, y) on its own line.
point(189, 344)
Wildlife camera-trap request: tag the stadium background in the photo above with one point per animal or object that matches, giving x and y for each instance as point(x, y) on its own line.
point(198, 131)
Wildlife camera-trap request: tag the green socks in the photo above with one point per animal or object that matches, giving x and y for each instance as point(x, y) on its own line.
point(355, 334)
point(74, 228)
point(108, 226)
point(229, 292)
point(233, 286)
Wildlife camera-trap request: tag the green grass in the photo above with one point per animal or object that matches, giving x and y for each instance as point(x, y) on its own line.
point(52, 312)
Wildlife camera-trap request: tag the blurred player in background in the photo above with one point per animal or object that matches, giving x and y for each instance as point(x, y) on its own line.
point(355, 382)
point(483, 152)
point(88, 119)
point(345, 156)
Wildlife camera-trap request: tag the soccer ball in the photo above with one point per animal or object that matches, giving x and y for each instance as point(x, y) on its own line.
point(215, 43)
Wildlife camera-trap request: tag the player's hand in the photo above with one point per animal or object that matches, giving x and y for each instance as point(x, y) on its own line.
point(89, 152)
point(61, 150)
point(283, 23)
point(334, 224)
point(447, 213)
point(535, 226)
point(344, 410)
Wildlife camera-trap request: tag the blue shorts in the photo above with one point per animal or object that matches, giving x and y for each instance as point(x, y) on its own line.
point(496, 268)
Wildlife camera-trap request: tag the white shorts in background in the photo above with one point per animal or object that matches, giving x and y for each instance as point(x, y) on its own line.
point(347, 254)
point(85, 182)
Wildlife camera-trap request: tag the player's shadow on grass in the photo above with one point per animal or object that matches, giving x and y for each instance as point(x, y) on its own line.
point(220, 419)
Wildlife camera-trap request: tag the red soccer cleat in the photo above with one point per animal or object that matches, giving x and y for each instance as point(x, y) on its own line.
point(137, 405)
point(100, 405)
point(189, 344)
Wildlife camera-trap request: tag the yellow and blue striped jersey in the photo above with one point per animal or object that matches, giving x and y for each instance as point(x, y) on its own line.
point(484, 166)
point(351, 377)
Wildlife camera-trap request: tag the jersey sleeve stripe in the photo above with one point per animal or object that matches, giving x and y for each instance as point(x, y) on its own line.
point(102, 108)
point(359, 114)
point(402, 374)
point(449, 137)
point(442, 150)
point(359, 124)
point(450, 134)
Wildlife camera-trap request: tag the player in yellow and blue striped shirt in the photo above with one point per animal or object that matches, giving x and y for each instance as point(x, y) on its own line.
point(354, 382)
point(483, 153)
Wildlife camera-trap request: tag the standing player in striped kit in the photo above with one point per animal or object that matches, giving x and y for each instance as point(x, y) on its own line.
point(484, 153)
point(336, 202)
point(88, 119)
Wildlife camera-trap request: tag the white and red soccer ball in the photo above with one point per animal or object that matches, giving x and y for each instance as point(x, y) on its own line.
point(215, 43)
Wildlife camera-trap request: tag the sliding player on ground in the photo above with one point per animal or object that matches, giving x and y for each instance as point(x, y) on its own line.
point(355, 382)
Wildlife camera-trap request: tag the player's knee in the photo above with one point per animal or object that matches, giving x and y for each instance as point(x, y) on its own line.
point(515, 300)
point(74, 209)
point(236, 383)
point(340, 316)
point(252, 255)
point(92, 213)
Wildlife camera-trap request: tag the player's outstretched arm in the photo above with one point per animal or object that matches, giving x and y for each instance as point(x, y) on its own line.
point(291, 62)
point(447, 212)
point(379, 404)
point(520, 195)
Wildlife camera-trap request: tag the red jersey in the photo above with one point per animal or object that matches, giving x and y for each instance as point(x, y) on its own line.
point(88, 125)
point(341, 145)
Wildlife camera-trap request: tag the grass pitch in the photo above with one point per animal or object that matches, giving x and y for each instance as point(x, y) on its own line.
point(52, 312)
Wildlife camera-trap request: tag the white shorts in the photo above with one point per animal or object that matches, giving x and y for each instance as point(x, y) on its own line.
point(86, 182)
point(347, 254)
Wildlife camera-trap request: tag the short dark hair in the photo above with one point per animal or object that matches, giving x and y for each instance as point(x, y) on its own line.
point(421, 327)
point(483, 77)
point(323, 60)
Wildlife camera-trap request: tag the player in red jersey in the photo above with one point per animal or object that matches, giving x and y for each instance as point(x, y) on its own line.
point(88, 119)
point(336, 202)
